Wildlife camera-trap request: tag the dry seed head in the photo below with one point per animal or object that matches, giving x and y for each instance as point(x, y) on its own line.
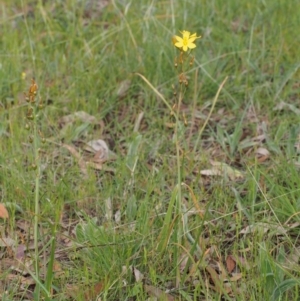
point(192, 61)
point(174, 90)
point(41, 134)
point(173, 109)
point(181, 58)
point(29, 114)
point(33, 88)
point(30, 97)
point(182, 78)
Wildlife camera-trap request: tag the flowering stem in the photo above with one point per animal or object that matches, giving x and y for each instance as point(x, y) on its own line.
point(179, 179)
point(194, 108)
point(36, 198)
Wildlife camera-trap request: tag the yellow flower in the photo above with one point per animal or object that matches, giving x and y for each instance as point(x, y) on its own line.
point(187, 40)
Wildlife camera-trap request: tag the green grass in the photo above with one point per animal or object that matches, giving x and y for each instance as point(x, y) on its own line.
point(80, 57)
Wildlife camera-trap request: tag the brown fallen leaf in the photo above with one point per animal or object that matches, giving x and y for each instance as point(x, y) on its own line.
point(138, 122)
point(20, 252)
point(84, 164)
point(262, 159)
point(223, 169)
point(123, 88)
point(78, 156)
point(230, 263)
point(210, 172)
point(81, 115)
point(264, 228)
point(7, 242)
point(158, 293)
point(19, 267)
point(137, 275)
point(263, 154)
point(3, 212)
point(236, 277)
point(57, 268)
point(261, 151)
point(23, 281)
point(94, 291)
point(99, 148)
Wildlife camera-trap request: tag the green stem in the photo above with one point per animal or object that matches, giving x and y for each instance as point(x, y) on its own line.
point(179, 191)
point(36, 200)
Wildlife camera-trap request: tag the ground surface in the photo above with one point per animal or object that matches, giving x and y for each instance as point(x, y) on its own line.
point(205, 208)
